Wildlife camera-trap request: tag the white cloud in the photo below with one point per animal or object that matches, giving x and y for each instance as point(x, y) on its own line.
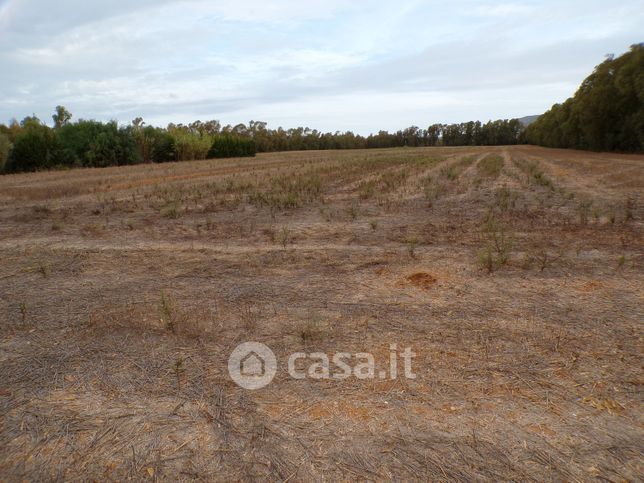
point(502, 10)
point(324, 63)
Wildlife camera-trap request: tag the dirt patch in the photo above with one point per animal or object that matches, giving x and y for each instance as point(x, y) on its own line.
point(421, 280)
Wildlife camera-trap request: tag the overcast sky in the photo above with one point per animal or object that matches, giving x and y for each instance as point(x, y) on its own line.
point(327, 64)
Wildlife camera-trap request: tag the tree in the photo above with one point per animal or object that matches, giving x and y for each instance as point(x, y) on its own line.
point(232, 146)
point(35, 148)
point(605, 114)
point(61, 117)
point(5, 147)
point(96, 144)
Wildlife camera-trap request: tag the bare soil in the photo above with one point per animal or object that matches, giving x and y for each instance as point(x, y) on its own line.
point(515, 274)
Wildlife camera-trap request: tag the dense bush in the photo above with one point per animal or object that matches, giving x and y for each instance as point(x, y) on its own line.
point(94, 144)
point(230, 146)
point(155, 145)
point(605, 114)
point(190, 145)
point(35, 148)
point(5, 147)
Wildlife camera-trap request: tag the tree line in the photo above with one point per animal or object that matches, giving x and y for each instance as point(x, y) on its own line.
point(32, 145)
point(605, 114)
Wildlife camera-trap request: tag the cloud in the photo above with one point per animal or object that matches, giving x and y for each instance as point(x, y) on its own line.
point(331, 63)
point(502, 10)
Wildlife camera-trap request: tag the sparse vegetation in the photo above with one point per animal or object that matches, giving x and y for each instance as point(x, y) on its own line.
point(115, 365)
point(534, 173)
point(289, 192)
point(504, 199)
point(411, 243)
point(621, 261)
point(311, 330)
point(284, 237)
point(497, 244)
point(583, 211)
point(168, 312)
point(490, 166)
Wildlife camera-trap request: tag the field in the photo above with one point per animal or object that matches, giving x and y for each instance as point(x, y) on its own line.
point(515, 274)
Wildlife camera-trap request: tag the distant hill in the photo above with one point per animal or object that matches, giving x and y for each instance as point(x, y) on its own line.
point(527, 120)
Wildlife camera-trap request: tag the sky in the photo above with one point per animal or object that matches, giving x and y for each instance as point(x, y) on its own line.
point(325, 64)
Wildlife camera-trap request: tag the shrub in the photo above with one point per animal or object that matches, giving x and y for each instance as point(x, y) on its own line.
point(35, 148)
point(155, 145)
point(498, 245)
point(230, 146)
point(190, 145)
point(5, 147)
point(94, 144)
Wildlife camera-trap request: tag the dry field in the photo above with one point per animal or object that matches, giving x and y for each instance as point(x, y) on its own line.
point(515, 275)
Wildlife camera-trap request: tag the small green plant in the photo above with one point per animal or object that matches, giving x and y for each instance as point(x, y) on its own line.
point(44, 269)
point(542, 180)
point(168, 316)
point(621, 261)
point(411, 243)
point(504, 199)
point(171, 210)
point(391, 180)
point(284, 236)
point(367, 190)
point(352, 211)
point(23, 311)
point(486, 259)
point(583, 210)
point(433, 191)
point(498, 244)
point(450, 172)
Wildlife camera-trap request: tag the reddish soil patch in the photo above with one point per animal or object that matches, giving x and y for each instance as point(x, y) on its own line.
point(422, 280)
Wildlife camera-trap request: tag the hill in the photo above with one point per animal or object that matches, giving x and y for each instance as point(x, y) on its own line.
point(527, 120)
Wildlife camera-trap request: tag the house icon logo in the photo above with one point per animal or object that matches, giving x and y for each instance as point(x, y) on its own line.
point(252, 365)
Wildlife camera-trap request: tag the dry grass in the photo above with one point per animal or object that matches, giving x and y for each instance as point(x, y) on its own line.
point(117, 324)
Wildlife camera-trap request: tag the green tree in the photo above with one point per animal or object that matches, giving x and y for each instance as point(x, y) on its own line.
point(35, 148)
point(605, 114)
point(5, 147)
point(61, 117)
